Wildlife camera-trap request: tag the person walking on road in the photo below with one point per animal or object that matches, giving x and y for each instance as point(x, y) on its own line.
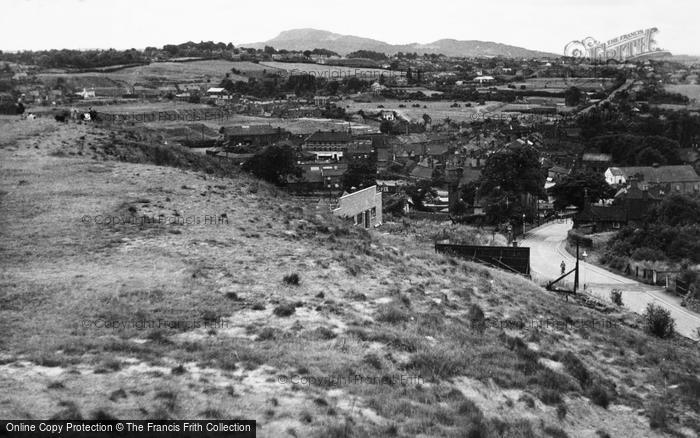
point(563, 267)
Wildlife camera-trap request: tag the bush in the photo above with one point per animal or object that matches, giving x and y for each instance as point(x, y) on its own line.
point(577, 369)
point(561, 411)
point(658, 321)
point(477, 320)
point(284, 310)
point(393, 314)
point(657, 416)
point(555, 432)
point(292, 279)
point(646, 253)
point(599, 396)
point(616, 296)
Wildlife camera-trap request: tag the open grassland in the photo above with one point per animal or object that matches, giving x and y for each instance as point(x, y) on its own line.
point(271, 310)
point(330, 71)
point(437, 110)
point(561, 84)
point(154, 74)
point(692, 91)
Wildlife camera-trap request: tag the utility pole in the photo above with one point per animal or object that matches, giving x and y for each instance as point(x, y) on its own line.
point(576, 273)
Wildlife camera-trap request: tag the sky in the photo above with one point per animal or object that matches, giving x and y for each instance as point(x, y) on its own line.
point(545, 25)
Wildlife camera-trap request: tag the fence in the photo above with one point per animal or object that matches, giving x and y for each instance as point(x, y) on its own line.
point(440, 217)
point(511, 259)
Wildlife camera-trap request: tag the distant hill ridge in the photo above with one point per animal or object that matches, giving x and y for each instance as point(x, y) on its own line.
point(309, 39)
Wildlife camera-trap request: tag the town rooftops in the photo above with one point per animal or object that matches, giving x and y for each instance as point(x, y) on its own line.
point(613, 213)
point(660, 174)
point(421, 172)
point(329, 137)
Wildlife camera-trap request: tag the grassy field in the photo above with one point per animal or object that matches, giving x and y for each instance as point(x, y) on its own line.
point(243, 303)
point(689, 90)
point(328, 71)
point(437, 110)
point(157, 73)
point(560, 84)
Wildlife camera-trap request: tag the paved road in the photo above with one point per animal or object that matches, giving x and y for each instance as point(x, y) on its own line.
point(547, 250)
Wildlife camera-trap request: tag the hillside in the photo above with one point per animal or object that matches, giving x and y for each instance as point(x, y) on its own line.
point(308, 39)
point(189, 317)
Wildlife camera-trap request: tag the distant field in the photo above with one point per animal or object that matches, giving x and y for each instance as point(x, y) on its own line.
point(209, 71)
point(329, 71)
point(295, 126)
point(436, 110)
point(555, 84)
point(214, 69)
point(691, 91)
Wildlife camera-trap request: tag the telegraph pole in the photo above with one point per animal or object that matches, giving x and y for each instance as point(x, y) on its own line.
point(576, 273)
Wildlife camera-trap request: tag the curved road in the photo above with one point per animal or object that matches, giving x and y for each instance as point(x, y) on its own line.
point(547, 250)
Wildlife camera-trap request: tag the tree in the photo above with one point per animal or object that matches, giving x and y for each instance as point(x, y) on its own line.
point(273, 164)
point(419, 192)
point(572, 96)
point(511, 177)
point(572, 189)
point(515, 169)
point(385, 127)
point(360, 174)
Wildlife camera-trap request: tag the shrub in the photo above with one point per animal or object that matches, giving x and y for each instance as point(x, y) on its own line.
point(616, 296)
point(550, 396)
point(393, 314)
point(284, 310)
point(555, 432)
point(477, 320)
point(657, 416)
point(373, 360)
point(292, 279)
point(577, 369)
point(599, 396)
point(437, 363)
point(561, 411)
point(658, 321)
point(178, 370)
point(647, 253)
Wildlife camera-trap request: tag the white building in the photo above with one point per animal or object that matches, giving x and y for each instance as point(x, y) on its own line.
point(363, 206)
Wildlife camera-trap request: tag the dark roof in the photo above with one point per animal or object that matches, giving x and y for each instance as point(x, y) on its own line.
point(661, 174)
point(329, 137)
point(559, 169)
point(594, 213)
point(437, 149)
point(635, 193)
point(245, 130)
